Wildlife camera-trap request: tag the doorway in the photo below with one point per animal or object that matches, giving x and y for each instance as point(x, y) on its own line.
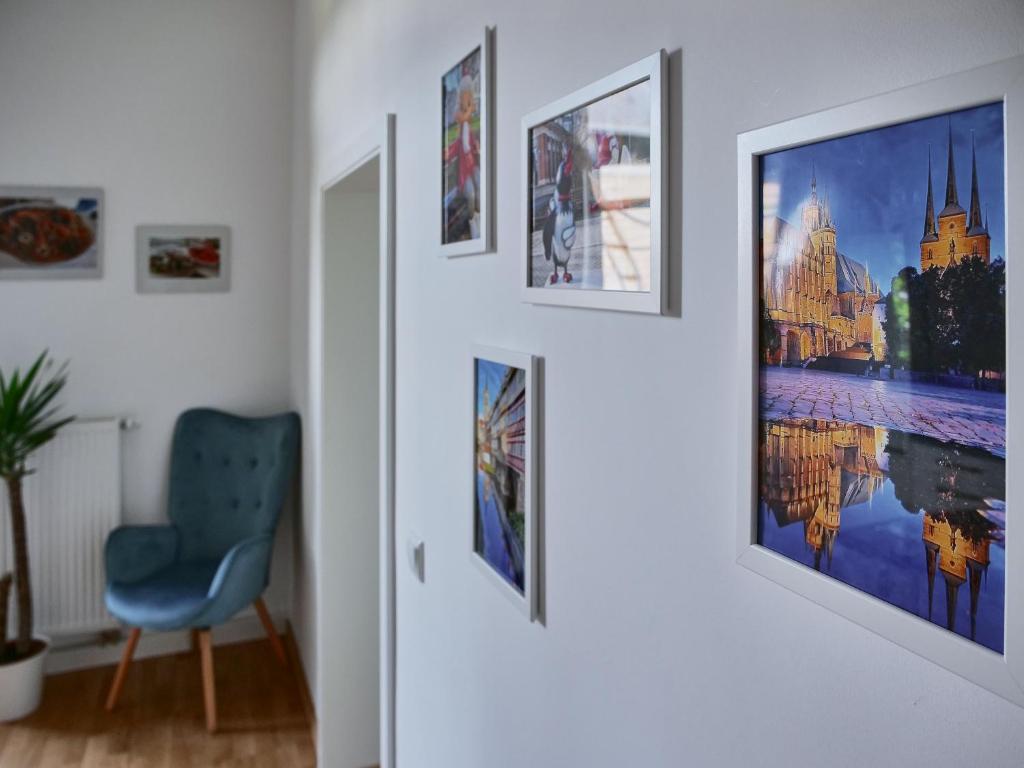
point(353, 403)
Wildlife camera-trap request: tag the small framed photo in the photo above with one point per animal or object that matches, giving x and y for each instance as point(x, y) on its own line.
point(504, 474)
point(182, 258)
point(466, 139)
point(594, 186)
point(51, 233)
point(879, 396)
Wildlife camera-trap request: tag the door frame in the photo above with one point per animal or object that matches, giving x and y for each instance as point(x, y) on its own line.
point(379, 143)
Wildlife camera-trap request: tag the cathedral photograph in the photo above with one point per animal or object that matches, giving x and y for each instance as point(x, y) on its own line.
point(882, 429)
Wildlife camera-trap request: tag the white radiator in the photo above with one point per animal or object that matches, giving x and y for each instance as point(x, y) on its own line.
point(72, 501)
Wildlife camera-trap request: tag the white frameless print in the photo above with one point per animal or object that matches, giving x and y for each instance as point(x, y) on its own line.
point(51, 232)
point(594, 179)
point(182, 259)
point(875, 282)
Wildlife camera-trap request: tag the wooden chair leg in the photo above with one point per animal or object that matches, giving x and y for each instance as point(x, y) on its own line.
point(209, 691)
point(194, 637)
point(122, 668)
point(268, 625)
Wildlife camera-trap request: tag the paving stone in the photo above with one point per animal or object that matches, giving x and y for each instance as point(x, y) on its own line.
point(968, 416)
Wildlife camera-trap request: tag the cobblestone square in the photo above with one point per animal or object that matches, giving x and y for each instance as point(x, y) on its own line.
point(971, 417)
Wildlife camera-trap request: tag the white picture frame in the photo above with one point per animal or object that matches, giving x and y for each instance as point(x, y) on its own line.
point(88, 265)
point(1002, 674)
point(527, 601)
point(484, 243)
point(146, 282)
point(653, 68)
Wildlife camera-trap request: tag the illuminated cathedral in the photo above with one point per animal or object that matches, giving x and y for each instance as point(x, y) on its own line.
point(821, 302)
point(955, 234)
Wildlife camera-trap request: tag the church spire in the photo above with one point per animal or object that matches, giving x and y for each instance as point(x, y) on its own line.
point(929, 210)
point(952, 200)
point(974, 222)
point(814, 185)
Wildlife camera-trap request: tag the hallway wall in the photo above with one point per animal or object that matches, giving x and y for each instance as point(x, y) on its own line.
point(658, 649)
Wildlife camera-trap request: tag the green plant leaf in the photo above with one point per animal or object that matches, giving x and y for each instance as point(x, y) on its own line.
point(28, 418)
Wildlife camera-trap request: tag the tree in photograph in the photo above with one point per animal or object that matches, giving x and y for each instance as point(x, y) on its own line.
point(950, 320)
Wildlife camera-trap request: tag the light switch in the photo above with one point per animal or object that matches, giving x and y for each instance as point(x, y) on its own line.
point(416, 558)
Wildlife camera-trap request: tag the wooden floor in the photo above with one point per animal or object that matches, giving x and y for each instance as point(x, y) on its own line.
point(159, 719)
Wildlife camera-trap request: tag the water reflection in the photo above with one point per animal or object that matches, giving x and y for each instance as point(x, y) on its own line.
point(500, 521)
point(893, 494)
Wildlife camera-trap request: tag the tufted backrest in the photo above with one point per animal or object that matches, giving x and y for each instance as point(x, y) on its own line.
point(229, 478)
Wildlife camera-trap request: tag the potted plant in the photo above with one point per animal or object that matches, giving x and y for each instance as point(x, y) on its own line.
point(28, 420)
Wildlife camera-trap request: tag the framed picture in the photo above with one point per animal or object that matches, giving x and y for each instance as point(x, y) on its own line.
point(504, 471)
point(182, 259)
point(51, 232)
point(594, 194)
point(466, 183)
point(876, 270)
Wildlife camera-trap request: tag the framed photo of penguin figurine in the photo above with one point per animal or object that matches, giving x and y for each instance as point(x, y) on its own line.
point(879, 396)
point(594, 181)
point(466, 224)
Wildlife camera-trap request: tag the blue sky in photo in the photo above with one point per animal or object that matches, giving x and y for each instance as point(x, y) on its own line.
point(489, 374)
point(876, 182)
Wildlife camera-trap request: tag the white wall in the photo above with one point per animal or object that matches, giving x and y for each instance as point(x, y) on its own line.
point(658, 649)
point(181, 111)
point(348, 533)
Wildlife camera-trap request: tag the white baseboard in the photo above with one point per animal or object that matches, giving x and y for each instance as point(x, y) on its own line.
point(245, 626)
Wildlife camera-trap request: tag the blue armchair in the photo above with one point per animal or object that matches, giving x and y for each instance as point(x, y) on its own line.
point(229, 479)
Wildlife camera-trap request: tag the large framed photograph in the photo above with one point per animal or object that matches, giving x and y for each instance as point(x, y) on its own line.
point(51, 233)
point(182, 259)
point(466, 139)
point(504, 473)
point(877, 268)
point(594, 194)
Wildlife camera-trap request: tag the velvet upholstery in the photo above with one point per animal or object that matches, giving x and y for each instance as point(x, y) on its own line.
point(229, 479)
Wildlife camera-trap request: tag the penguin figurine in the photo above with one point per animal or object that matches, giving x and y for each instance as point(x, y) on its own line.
point(560, 225)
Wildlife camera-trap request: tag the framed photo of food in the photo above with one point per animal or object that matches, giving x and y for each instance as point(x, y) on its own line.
point(182, 259)
point(504, 474)
point(877, 278)
point(466, 138)
point(51, 233)
point(594, 187)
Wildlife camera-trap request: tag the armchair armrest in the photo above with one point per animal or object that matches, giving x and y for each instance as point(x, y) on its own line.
point(134, 552)
point(240, 579)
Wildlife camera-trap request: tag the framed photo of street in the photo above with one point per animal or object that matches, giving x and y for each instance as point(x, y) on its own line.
point(877, 281)
point(593, 195)
point(504, 530)
point(466, 157)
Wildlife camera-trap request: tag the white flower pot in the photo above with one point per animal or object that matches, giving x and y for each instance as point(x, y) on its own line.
point(21, 684)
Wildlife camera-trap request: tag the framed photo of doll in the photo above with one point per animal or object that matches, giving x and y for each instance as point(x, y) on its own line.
point(594, 181)
point(466, 152)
